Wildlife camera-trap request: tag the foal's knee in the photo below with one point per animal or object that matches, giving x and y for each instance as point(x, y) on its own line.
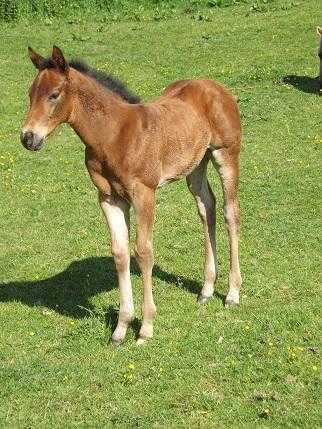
point(144, 254)
point(121, 257)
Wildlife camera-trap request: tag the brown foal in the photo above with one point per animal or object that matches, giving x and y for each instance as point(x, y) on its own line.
point(134, 148)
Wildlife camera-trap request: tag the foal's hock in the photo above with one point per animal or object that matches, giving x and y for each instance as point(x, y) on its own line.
point(131, 149)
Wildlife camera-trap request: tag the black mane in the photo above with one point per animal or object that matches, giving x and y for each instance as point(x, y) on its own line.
point(104, 79)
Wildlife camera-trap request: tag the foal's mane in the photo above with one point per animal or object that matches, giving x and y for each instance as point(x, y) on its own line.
point(108, 81)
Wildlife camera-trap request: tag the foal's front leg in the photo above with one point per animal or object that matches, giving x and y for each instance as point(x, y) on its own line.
point(144, 205)
point(116, 211)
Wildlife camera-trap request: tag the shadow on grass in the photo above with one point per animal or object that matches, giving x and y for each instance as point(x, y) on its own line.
point(306, 84)
point(68, 292)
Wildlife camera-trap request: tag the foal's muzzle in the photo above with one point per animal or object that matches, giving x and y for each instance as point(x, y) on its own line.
point(31, 141)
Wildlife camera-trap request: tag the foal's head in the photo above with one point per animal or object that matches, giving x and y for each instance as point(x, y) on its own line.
point(50, 98)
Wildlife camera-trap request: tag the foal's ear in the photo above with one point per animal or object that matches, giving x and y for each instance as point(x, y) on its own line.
point(59, 59)
point(35, 58)
point(319, 31)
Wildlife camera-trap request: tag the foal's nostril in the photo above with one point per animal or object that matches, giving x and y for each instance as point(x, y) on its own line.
point(30, 140)
point(26, 137)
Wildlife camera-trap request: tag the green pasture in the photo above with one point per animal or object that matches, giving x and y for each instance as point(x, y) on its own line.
point(255, 366)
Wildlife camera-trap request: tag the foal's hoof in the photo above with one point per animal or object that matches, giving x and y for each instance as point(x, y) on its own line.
point(203, 298)
point(117, 339)
point(141, 340)
point(231, 303)
point(117, 342)
point(232, 299)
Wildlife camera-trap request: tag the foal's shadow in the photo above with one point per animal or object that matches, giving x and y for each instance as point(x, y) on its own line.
point(69, 292)
point(306, 84)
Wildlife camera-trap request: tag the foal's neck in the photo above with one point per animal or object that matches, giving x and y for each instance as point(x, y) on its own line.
point(97, 113)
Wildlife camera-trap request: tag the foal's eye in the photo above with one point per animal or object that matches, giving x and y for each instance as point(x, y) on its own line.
point(54, 96)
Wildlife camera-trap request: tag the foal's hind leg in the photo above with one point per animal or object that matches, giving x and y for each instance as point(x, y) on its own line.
point(206, 202)
point(227, 165)
point(116, 211)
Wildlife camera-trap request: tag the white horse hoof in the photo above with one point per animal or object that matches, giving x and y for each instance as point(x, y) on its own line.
point(202, 299)
point(142, 340)
point(232, 298)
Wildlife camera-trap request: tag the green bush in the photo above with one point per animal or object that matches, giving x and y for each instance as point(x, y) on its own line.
point(111, 10)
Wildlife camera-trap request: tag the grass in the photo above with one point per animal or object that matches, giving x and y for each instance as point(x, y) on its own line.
point(254, 366)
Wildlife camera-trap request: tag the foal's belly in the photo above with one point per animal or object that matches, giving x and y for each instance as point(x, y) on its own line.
point(168, 178)
point(172, 173)
point(183, 153)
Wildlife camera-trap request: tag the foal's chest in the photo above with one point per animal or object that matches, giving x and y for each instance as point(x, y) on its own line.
point(98, 174)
